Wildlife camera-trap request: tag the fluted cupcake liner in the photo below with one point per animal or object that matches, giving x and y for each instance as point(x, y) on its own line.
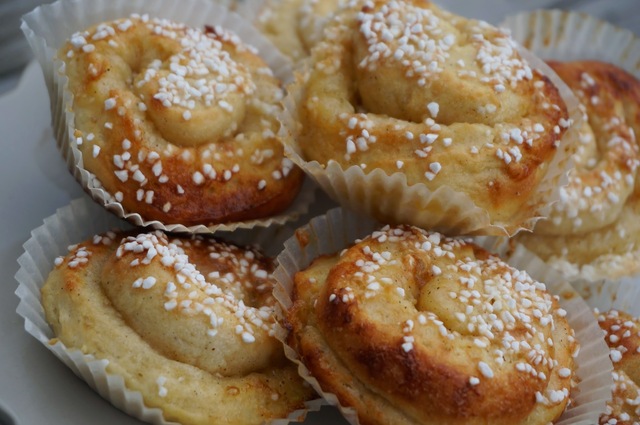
point(570, 36)
point(49, 26)
point(623, 294)
point(249, 10)
point(564, 35)
point(333, 232)
point(76, 223)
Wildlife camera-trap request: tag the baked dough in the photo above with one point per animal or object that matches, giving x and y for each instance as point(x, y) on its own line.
point(295, 26)
point(593, 230)
point(623, 408)
point(406, 87)
point(410, 327)
point(187, 322)
point(178, 124)
point(622, 334)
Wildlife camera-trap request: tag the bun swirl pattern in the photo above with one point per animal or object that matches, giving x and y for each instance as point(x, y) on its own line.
point(593, 229)
point(405, 87)
point(177, 124)
point(187, 322)
point(408, 326)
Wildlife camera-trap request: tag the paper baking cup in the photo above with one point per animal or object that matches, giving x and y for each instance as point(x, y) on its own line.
point(250, 9)
point(567, 36)
point(610, 267)
point(76, 223)
point(48, 27)
point(623, 294)
point(597, 292)
point(330, 233)
point(390, 198)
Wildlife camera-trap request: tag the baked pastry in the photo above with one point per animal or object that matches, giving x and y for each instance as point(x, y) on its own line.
point(187, 322)
point(410, 327)
point(178, 124)
point(295, 26)
point(622, 334)
point(623, 408)
point(593, 230)
point(448, 102)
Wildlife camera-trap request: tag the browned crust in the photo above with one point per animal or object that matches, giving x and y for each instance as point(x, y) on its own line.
point(624, 87)
point(365, 366)
point(504, 190)
point(215, 200)
point(422, 377)
point(615, 328)
point(601, 231)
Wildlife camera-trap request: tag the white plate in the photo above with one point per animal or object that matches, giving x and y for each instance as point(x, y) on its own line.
point(35, 388)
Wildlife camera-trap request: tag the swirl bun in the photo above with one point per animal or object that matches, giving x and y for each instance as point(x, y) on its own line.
point(177, 123)
point(410, 327)
point(405, 87)
point(593, 228)
point(187, 322)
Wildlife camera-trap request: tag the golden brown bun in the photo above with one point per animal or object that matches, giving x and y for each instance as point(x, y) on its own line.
point(623, 409)
point(410, 327)
point(595, 223)
point(622, 334)
point(187, 322)
point(406, 87)
point(178, 124)
point(295, 26)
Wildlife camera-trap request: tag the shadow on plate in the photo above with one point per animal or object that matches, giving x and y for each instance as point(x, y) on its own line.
point(5, 419)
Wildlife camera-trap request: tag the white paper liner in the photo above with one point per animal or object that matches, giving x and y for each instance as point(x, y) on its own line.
point(567, 36)
point(250, 9)
point(391, 199)
point(570, 36)
point(49, 26)
point(330, 233)
point(76, 223)
point(623, 294)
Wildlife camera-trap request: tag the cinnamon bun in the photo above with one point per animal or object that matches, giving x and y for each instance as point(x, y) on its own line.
point(405, 88)
point(187, 322)
point(178, 124)
point(593, 230)
point(411, 327)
